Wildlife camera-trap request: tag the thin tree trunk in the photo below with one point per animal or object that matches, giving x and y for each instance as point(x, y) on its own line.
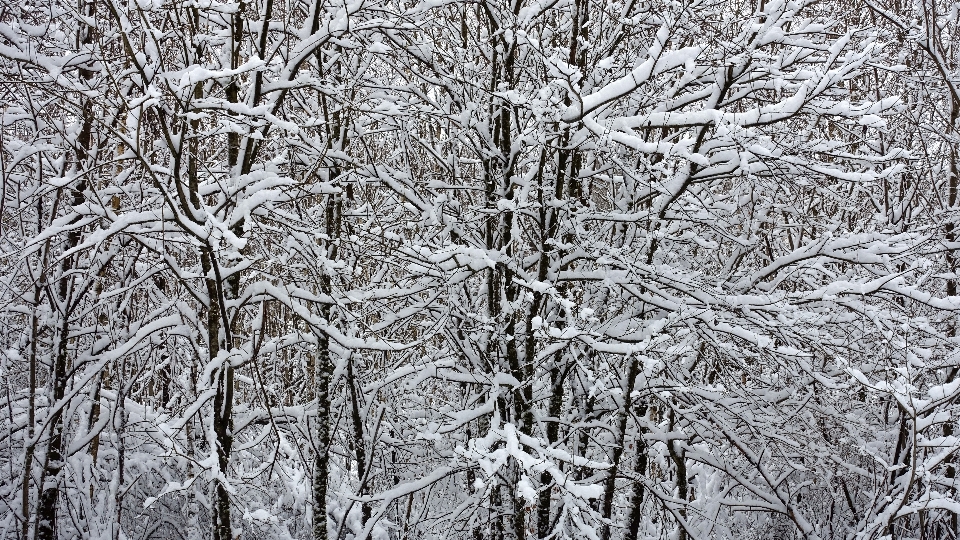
point(46, 528)
point(31, 422)
point(358, 441)
point(640, 469)
point(610, 483)
point(324, 367)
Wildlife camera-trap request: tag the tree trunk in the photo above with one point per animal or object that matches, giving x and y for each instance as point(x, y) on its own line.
point(321, 441)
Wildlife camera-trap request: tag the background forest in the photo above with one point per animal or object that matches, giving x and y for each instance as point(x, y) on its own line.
point(479, 269)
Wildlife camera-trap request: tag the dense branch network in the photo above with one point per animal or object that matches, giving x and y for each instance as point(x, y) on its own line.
point(485, 270)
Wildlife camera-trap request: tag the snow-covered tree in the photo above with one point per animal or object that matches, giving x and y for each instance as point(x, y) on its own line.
point(481, 270)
